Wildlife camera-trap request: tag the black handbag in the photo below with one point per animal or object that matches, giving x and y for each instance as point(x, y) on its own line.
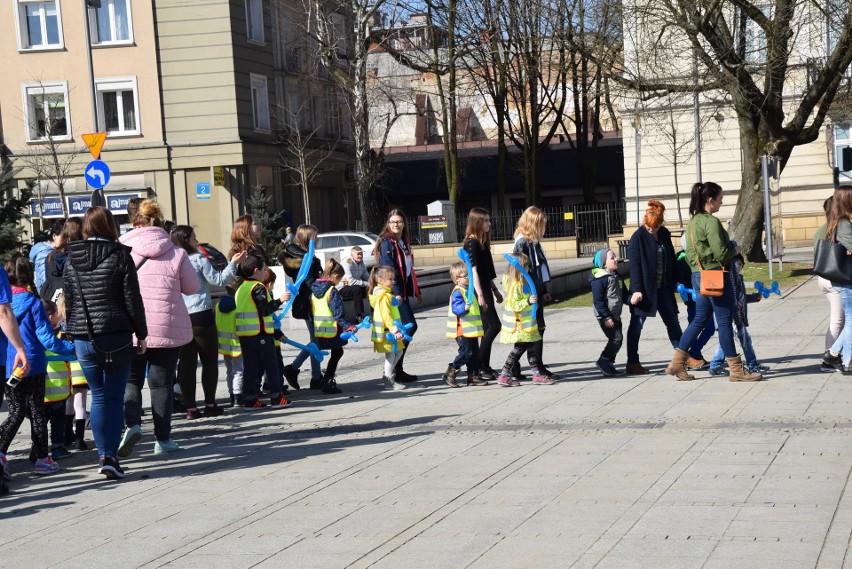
point(110, 359)
point(832, 262)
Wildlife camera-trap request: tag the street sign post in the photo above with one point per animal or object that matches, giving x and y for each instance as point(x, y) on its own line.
point(97, 174)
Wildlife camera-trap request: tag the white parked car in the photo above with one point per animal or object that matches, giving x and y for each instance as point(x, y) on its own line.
point(338, 243)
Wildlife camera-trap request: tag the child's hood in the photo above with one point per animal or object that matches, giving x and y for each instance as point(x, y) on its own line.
point(378, 291)
point(320, 287)
point(22, 303)
point(598, 273)
point(227, 304)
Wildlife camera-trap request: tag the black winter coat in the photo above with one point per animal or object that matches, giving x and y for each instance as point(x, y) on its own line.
point(291, 259)
point(110, 286)
point(642, 253)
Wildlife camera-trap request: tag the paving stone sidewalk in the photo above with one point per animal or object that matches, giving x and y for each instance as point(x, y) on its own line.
point(592, 472)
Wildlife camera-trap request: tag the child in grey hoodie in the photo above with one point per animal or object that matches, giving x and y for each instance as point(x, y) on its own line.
point(608, 295)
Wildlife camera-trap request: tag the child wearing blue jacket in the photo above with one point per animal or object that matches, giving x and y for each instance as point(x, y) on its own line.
point(27, 397)
point(609, 295)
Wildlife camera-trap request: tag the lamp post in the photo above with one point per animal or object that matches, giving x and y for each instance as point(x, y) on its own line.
point(87, 5)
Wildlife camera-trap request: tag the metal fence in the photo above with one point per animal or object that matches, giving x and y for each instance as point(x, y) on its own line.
point(591, 224)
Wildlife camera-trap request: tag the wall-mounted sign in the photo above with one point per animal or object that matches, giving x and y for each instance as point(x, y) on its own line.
point(52, 207)
point(202, 190)
point(219, 176)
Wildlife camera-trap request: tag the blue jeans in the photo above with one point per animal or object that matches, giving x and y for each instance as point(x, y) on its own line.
point(843, 344)
point(316, 371)
point(706, 307)
point(748, 350)
point(107, 415)
point(468, 355)
point(668, 312)
point(704, 337)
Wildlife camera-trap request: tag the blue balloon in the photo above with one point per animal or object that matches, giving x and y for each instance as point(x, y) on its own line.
point(403, 329)
point(465, 256)
point(311, 348)
point(300, 277)
point(767, 291)
point(530, 283)
point(365, 323)
point(685, 293)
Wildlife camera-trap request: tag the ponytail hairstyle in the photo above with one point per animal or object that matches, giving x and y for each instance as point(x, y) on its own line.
point(379, 273)
point(20, 271)
point(333, 268)
point(700, 194)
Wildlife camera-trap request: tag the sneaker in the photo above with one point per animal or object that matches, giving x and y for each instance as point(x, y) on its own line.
point(547, 373)
point(279, 402)
point(46, 465)
point(504, 380)
point(131, 436)
point(397, 386)
point(330, 387)
point(58, 453)
point(316, 383)
point(826, 368)
point(212, 410)
point(759, 368)
point(255, 405)
point(291, 374)
point(488, 374)
point(110, 468)
point(192, 414)
point(606, 367)
point(722, 371)
point(239, 400)
point(387, 382)
point(832, 361)
point(165, 447)
point(80, 444)
point(542, 379)
point(4, 465)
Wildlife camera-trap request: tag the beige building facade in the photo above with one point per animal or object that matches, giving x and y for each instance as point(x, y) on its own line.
point(187, 92)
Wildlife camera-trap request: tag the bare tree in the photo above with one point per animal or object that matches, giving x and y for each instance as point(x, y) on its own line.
point(781, 63)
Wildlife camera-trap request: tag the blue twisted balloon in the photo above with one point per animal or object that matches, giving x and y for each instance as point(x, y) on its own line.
point(465, 256)
point(300, 277)
point(517, 264)
point(311, 348)
point(351, 335)
point(403, 329)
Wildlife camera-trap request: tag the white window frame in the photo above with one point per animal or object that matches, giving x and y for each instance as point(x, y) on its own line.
point(45, 88)
point(254, 30)
point(842, 139)
point(756, 42)
point(110, 85)
point(19, 7)
point(93, 23)
point(260, 102)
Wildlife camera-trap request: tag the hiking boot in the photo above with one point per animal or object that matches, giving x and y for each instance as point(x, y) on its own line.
point(696, 363)
point(329, 385)
point(636, 369)
point(131, 436)
point(737, 373)
point(475, 380)
point(449, 376)
point(404, 377)
point(291, 374)
point(677, 367)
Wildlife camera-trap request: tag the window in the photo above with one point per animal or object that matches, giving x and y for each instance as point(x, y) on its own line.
point(755, 38)
point(38, 24)
point(259, 101)
point(46, 111)
point(118, 106)
point(111, 23)
point(842, 139)
point(254, 20)
point(338, 23)
point(344, 119)
point(835, 11)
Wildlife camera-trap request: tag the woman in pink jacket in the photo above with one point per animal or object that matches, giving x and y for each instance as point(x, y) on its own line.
point(165, 273)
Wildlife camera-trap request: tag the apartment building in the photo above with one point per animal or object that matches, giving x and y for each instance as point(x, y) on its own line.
point(188, 93)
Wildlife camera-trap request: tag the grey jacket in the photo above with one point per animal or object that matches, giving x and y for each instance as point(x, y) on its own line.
point(207, 275)
point(355, 274)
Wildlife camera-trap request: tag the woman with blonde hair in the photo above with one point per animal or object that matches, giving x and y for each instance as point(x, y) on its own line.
point(165, 274)
point(291, 259)
point(477, 243)
point(528, 235)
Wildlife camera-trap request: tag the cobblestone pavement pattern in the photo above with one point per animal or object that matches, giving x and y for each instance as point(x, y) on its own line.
point(596, 472)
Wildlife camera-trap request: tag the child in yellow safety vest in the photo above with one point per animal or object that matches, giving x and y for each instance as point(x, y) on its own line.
point(385, 313)
point(75, 406)
point(519, 326)
point(464, 324)
point(255, 329)
point(229, 343)
point(329, 322)
point(57, 385)
point(269, 282)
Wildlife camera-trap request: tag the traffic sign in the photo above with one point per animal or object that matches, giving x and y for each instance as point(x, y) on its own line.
point(94, 142)
point(202, 190)
point(97, 174)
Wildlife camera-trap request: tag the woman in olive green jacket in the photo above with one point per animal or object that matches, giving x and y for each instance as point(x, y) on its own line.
point(709, 247)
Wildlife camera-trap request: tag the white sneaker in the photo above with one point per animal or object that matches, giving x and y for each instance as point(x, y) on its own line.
point(397, 386)
point(131, 436)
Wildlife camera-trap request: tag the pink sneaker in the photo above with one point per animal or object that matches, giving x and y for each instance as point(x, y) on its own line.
point(5, 466)
point(541, 379)
point(506, 381)
point(46, 466)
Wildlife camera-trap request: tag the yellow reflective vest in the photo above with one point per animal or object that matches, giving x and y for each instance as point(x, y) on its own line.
point(226, 331)
point(383, 303)
point(325, 326)
point(248, 321)
point(57, 382)
point(468, 325)
point(523, 319)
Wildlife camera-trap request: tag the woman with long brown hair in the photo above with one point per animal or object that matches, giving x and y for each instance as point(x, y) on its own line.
point(244, 238)
point(394, 251)
point(839, 227)
point(477, 243)
point(72, 230)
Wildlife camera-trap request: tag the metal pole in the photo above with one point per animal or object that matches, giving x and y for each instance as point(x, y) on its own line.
point(91, 67)
point(767, 215)
point(638, 159)
point(697, 118)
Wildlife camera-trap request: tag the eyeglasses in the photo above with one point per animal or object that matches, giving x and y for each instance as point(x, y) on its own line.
point(397, 222)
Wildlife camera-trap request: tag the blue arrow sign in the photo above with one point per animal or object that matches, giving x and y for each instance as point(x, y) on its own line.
point(97, 174)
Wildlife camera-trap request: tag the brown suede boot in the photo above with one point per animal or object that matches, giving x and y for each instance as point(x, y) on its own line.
point(737, 373)
point(449, 376)
point(677, 367)
point(475, 380)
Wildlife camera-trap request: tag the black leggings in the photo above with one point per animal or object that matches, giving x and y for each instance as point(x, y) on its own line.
point(205, 343)
point(531, 348)
point(331, 368)
point(491, 323)
point(26, 399)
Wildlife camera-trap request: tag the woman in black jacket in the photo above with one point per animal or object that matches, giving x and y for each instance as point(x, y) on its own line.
point(101, 274)
point(478, 246)
point(291, 259)
point(652, 282)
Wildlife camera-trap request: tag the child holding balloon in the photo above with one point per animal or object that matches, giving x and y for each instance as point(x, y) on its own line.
point(385, 314)
point(740, 317)
point(464, 324)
